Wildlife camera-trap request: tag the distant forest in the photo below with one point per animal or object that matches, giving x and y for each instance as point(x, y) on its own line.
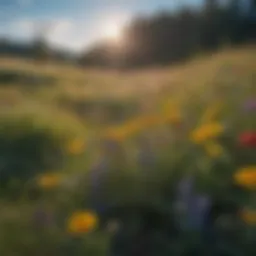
point(170, 37)
point(163, 38)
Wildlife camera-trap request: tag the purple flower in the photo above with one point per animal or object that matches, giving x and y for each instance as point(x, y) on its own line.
point(192, 207)
point(197, 210)
point(111, 151)
point(96, 193)
point(250, 105)
point(184, 195)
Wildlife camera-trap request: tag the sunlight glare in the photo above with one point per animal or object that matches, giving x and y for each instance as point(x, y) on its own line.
point(113, 32)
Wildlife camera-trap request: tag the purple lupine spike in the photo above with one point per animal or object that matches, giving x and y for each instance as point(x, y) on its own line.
point(184, 194)
point(250, 105)
point(111, 151)
point(100, 169)
point(192, 207)
point(197, 211)
point(97, 177)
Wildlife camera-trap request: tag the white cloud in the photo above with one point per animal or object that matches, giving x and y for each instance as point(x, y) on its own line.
point(23, 26)
point(75, 34)
point(20, 29)
point(60, 28)
point(62, 33)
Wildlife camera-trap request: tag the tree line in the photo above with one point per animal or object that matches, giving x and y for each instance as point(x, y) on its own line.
point(171, 37)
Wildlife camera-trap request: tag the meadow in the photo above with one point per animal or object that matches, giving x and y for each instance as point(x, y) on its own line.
point(144, 129)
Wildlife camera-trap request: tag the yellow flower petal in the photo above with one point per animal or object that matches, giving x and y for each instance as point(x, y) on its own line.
point(206, 132)
point(82, 222)
point(132, 127)
point(246, 177)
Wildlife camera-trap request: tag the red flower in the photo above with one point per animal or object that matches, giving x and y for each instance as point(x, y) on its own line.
point(248, 139)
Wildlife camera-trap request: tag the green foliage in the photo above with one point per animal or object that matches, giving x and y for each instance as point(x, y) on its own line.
point(27, 150)
point(35, 131)
point(24, 79)
point(30, 145)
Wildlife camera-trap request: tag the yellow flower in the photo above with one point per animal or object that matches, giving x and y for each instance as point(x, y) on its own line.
point(50, 180)
point(213, 149)
point(246, 177)
point(249, 216)
point(130, 128)
point(211, 112)
point(207, 132)
point(82, 222)
point(76, 146)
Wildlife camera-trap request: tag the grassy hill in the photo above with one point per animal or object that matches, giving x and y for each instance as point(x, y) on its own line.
point(54, 119)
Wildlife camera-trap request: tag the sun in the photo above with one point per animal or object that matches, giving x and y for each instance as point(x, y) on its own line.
point(113, 32)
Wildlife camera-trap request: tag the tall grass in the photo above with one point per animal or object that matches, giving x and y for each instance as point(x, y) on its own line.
point(128, 137)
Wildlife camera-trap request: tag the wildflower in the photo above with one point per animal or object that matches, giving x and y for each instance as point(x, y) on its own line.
point(246, 177)
point(82, 222)
point(128, 129)
point(184, 191)
point(206, 132)
point(76, 146)
point(198, 209)
point(48, 181)
point(99, 172)
point(248, 139)
point(191, 207)
point(249, 216)
point(213, 149)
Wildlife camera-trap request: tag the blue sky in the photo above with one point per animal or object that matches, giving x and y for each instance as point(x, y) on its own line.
point(73, 24)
